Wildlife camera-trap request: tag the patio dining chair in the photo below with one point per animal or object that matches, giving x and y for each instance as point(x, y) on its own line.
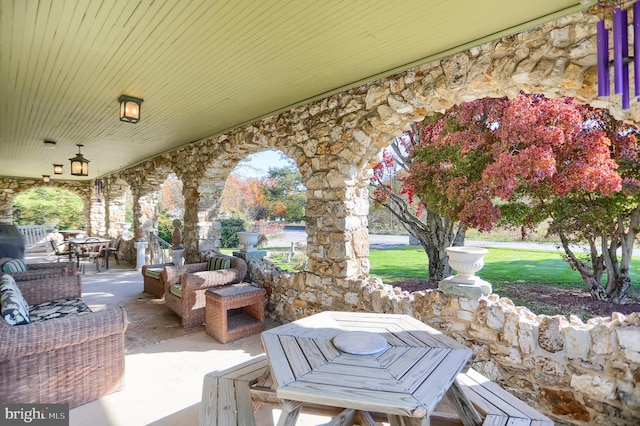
point(61, 250)
point(108, 251)
point(90, 251)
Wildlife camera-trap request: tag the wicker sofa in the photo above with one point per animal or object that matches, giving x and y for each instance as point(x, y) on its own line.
point(40, 271)
point(192, 281)
point(71, 359)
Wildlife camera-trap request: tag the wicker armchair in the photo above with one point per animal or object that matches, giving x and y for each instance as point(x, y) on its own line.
point(152, 279)
point(194, 280)
point(74, 359)
point(41, 271)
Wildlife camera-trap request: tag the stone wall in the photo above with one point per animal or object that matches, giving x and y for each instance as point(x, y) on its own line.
point(576, 373)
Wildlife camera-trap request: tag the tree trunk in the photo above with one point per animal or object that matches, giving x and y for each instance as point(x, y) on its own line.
point(434, 233)
point(588, 274)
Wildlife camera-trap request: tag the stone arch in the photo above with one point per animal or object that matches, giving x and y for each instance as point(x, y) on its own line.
point(145, 181)
point(11, 187)
point(115, 198)
point(333, 140)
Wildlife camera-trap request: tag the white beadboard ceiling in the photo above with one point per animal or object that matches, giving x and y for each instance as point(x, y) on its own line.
point(206, 66)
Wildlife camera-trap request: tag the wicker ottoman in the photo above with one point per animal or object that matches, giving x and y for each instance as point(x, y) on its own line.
point(235, 311)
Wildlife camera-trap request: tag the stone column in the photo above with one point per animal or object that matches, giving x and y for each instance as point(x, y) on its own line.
point(337, 209)
point(7, 192)
point(201, 207)
point(97, 213)
point(115, 205)
point(190, 220)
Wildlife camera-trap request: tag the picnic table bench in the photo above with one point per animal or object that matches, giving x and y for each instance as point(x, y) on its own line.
point(231, 397)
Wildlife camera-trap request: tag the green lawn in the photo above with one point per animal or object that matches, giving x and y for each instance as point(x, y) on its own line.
point(502, 267)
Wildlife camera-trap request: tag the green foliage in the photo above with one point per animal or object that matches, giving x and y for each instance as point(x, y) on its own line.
point(229, 227)
point(165, 226)
point(45, 204)
point(284, 188)
point(296, 206)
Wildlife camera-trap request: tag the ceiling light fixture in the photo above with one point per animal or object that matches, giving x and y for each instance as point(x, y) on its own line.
point(79, 164)
point(129, 109)
point(621, 58)
point(50, 144)
point(57, 169)
point(46, 178)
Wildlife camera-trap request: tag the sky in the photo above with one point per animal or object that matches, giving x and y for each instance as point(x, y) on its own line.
point(257, 165)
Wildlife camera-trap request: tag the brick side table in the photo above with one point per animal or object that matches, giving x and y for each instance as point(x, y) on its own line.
point(226, 326)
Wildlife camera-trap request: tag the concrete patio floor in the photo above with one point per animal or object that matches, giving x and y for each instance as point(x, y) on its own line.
point(163, 382)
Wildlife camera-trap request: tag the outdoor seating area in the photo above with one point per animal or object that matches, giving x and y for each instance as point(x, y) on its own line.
point(200, 372)
point(55, 349)
point(185, 285)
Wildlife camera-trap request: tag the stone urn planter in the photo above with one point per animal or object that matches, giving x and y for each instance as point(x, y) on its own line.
point(466, 261)
point(248, 240)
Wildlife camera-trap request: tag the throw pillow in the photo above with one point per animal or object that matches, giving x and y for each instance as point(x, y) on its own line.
point(14, 265)
point(13, 307)
point(216, 263)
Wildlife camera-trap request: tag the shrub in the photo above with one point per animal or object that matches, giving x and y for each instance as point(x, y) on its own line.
point(228, 229)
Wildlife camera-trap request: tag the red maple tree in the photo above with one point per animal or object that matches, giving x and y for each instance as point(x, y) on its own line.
point(529, 159)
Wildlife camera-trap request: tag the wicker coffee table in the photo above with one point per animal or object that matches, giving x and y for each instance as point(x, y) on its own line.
point(223, 323)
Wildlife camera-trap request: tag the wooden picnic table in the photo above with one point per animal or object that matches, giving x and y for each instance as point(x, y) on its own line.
point(382, 363)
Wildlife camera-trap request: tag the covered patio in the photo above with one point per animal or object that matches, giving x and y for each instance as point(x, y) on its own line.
point(330, 87)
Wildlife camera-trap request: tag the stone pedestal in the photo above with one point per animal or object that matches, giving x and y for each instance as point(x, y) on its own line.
point(466, 261)
point(141, 247)
point(176, 256)
point(473, 288)
point(250, 255)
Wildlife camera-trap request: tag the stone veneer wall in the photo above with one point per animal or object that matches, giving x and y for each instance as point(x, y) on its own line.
point(576, 373)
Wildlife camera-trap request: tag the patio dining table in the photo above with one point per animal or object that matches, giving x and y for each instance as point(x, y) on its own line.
point(93, 245)
point(381, 363)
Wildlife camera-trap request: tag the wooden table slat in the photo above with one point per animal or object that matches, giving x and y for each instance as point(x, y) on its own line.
point(439, 380)
point(392, 355)
point(409, 338)
point(401, 365)
point(296, 357)
point(360, 360)
point(282, 372)
point(349, 370)
point(331, 395)
point(329, 351)
point(432, 336)
point(424, 367)
point(392, 338)
point(311, 353)
point(353, 380)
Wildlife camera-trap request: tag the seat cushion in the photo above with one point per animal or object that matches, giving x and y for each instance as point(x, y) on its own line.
point(13, 306)
point(14, 265)
point(216, 263)
point(153, 273)
point(176, 289)
point(57, 309)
